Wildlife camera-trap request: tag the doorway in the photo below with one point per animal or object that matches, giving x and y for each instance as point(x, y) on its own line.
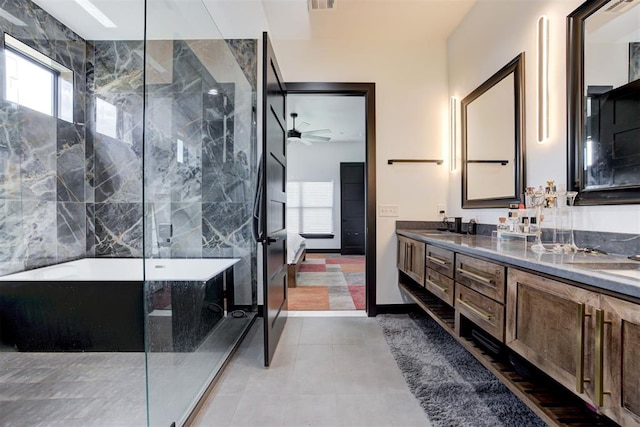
point(360, 269)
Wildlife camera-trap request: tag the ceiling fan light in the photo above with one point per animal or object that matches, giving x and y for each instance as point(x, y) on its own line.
point(293, 133)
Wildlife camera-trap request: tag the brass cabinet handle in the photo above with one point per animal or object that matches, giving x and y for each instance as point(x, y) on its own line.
point(478, 277)
point(580, 379)
point(598, 382)
point(437, 260)
point(406, 256)
point(486, 316)
point(437, 285)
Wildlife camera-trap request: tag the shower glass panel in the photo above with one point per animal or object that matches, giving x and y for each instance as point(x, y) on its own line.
point(71, 244)
point(199, 157)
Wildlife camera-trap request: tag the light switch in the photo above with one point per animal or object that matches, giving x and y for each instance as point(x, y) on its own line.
point(388, 210)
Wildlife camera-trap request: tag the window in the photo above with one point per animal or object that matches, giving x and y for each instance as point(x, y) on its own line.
point(35, 81)
point(310, 207)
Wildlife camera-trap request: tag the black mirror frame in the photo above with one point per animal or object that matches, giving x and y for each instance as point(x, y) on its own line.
point(515, 66)
point(575, 116)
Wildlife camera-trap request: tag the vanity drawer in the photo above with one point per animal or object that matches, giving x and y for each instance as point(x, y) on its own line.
point(482, 276)
point(440, 285)
point(484, 312)
point(440, 260)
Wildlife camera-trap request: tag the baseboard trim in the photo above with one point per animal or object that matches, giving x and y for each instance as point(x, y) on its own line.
point(323, 251)
point(396, 308)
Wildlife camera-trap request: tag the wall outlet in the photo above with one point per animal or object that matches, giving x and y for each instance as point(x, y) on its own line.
point(388, 210)
point(441, 211)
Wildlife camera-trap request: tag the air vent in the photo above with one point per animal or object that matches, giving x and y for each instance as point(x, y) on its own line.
point(322, 4)
point(618, 6)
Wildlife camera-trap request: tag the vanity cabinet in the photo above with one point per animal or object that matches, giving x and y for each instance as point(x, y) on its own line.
point(482, 276)
point(551, 324)
point(482, 311)
point(587, 341)
point(440, 273)
point(480, 290)
point(583, 341)
point(440, 260)
point(616, 359)
point(440, 285)
point(411, 258)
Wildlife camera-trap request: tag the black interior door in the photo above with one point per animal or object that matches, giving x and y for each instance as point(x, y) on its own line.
point(352, 209)
point(620, 136)
point(274, 208)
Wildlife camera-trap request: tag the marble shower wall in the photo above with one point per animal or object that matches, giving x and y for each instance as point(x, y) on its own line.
point(198, 178)
point(115, 72)
point(42, 179)
point(73, 190)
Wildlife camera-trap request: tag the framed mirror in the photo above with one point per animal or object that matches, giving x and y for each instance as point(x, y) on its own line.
point(603, 102)
point(492, 135)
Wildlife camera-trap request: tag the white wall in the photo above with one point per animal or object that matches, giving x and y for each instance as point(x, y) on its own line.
point(321, 162)
point(411, 122)
point(492, 34)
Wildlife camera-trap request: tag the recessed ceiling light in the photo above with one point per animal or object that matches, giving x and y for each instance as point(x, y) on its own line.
point(96, 13)
point(9, 17)
point(213, 92)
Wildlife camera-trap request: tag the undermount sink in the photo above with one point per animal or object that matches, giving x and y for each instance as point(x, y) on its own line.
point(607, 265)
point(626, 269)
point(432, 232)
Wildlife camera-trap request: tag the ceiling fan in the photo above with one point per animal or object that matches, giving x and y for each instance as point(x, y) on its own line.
point(305, 137)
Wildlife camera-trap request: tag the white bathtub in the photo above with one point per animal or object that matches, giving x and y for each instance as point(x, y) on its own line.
point(127, 270)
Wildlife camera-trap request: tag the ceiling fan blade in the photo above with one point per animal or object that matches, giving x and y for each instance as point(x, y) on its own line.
point(307, 132)
point(302, 125)
point(297, 139)
point(317, 137)
point(306, 142)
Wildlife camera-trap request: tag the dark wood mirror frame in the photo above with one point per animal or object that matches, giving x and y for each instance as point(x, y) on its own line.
point(575, 116)
point(515, 66)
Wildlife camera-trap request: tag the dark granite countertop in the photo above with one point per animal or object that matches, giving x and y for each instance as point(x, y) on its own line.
point(608, 272)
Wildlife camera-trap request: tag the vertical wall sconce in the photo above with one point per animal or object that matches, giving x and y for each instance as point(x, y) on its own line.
point(543, 79)
point(453, 125)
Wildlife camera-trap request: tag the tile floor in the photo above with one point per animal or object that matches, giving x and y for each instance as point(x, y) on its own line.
point(327, 371)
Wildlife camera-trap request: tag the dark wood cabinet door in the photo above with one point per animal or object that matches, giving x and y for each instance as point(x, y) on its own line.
point(411, 258)
point(402, 254)
point(352, 209)
point(551, 324)
point(617, 390)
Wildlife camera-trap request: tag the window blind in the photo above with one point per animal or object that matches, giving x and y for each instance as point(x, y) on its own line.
point(310, 207)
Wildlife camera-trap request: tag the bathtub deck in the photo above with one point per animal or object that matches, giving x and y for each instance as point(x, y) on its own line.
point(108, 389)
point(127, 269)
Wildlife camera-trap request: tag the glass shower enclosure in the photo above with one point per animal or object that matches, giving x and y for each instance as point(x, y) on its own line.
point(127, 264)
point(200, 148)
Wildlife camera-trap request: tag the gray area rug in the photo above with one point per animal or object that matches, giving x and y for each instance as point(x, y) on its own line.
point(452, 387)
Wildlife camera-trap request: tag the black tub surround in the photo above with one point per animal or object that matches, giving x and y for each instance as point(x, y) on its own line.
point(563, 266)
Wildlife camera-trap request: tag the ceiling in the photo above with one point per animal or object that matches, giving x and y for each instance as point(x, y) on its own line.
point(344, 115)
point(284, 19)
point(364, 20)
